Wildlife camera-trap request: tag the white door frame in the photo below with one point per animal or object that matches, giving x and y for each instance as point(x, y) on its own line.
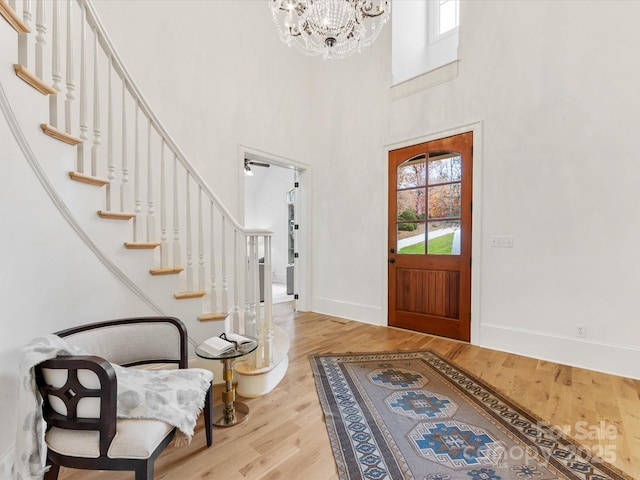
point(302, 264)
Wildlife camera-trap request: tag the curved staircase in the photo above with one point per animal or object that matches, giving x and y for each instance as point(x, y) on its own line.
point(131, 194)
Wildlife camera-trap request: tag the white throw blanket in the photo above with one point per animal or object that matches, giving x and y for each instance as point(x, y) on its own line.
point(172, 396)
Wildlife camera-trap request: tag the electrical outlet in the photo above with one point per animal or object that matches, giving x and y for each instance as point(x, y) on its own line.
point(502, 241)
point(581, 331)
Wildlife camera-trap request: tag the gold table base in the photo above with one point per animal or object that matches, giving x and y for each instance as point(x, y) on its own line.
point(224, 416)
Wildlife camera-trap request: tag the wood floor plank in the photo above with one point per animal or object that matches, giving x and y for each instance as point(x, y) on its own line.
point(285, 435)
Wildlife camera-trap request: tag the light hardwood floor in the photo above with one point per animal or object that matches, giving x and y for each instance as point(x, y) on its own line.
point(285, 435)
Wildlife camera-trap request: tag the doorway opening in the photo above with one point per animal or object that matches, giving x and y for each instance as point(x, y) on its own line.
point(273, 201)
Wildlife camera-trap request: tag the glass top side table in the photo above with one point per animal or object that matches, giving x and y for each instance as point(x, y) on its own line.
point(230, 412)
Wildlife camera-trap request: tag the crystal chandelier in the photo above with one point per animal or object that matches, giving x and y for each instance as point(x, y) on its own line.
point(331, 28)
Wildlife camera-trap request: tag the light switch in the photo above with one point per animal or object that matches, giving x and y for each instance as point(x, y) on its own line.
point(502, 241)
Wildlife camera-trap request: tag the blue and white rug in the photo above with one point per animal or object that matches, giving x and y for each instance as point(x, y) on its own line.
point(415, 415)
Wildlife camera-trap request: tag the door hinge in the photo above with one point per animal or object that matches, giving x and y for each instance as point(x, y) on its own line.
point(469, 261)
point(295, 255)
point(296, 296)
point(296, 226)
point(471, 150)
point(296, 184)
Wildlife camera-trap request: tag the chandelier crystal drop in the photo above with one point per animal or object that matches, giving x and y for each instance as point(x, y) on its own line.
point(331, 28)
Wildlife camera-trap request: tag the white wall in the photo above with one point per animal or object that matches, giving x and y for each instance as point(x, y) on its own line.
point(555, 89)
point(230, 71)
point(265, 207)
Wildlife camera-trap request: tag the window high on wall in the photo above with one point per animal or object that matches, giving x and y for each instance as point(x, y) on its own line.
point(424, 37)
point(447, 16)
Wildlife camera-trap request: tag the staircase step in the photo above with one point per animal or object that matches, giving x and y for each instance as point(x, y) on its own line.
point(208, 317)
point(60, 135)
point(34, 81)
point(12, 17)
point(116, 215)
point(187, 295)
point(88, 179)
point(141, 245)
point(165, 270)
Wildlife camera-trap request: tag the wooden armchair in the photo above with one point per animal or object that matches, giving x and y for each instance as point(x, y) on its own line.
point(80, 396)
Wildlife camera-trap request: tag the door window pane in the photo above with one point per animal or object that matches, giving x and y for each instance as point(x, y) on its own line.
point(410, 238)
point(411, 205)
point(412, 172)
point(444, 167)
point(444, 201)
point(444, 238)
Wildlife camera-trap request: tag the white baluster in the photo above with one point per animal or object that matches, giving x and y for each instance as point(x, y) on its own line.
point(41, 38)
point(177, 260)
point(151, 219)
point(223, 266)
point(111, 167)
point(23, 38)
point(213, 295)
point(124, 185)
point(201, 272)
point(164, 245)
point(137, 220)
point(236, 294)
point(55, 65)
point(69, 74)
point(84, 127)
point(189, 238)
point(250, 325)
point(267, 326)
point(96, 107)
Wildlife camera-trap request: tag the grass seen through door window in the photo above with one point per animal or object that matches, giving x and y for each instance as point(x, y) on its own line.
point(437, 246)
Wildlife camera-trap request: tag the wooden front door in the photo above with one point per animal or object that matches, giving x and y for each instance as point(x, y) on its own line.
point(430, 236)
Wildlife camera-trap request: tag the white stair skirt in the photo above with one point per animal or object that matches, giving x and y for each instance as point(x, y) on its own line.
point(255, 382)
point(251, 386)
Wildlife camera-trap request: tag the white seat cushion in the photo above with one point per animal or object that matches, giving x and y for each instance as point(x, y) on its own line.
point(134, 439)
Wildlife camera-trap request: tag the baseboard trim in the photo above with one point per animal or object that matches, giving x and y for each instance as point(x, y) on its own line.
point(360, 312)
point(603, 357)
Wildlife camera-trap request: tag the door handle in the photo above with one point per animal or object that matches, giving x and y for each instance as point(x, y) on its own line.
point(393, 250)
point(392, 260)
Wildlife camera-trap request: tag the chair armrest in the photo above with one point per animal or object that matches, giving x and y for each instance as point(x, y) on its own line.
point(133, 341)
point(62, 394)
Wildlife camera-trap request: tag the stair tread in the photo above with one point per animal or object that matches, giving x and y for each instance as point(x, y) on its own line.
point(187, 295)
point(87, 179)
point(141, 245)
point(29, 77)
point(116, 215)
point(165, 270)
point(12, 18)
point(206, 317)
point(63, 136)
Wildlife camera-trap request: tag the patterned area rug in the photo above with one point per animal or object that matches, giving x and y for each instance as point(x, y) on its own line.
point(414, 415)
